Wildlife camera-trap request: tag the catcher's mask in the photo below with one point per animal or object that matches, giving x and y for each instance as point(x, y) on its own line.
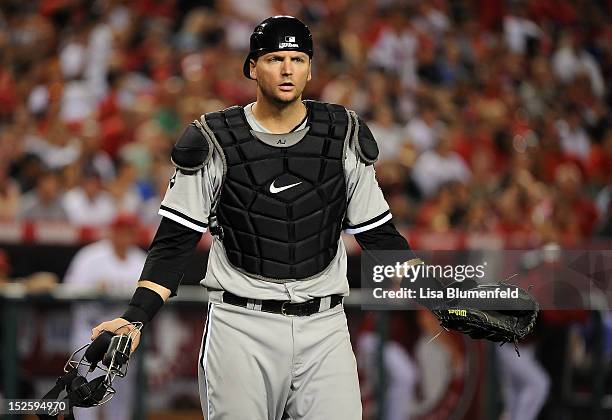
point(278, 33)
point(113, 350)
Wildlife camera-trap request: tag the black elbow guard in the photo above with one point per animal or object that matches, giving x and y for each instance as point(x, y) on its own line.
point(366, 144)
point(192, 150)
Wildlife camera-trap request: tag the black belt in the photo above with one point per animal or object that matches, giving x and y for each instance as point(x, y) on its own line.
point(284, 307)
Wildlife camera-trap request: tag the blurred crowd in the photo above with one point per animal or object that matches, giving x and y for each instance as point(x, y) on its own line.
point(490, 115)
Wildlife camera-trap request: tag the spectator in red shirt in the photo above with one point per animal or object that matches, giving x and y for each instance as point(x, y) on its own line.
point(600, 161)
point(571, 204)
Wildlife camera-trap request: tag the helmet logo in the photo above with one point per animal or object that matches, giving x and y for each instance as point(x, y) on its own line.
point(289, 43)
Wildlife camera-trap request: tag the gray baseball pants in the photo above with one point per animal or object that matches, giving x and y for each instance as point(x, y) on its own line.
point(525, 384)
point(256, 365)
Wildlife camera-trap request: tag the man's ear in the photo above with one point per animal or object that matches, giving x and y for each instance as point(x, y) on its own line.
point(252, 69)
point(309, 71)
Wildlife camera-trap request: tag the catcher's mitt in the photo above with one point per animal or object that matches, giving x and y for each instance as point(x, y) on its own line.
point(505, 320)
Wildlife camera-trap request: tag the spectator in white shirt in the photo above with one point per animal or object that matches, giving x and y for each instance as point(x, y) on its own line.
point(570, 61)
point(519, 30)
point(90, 139)
point(110, 265)
point(45, 201)
point(422, 129)
point(395, 49)
point(124, 189)
point(56, 148)
point(389, 133)
point(88, 204)
point(437, 167)
point(574, 138)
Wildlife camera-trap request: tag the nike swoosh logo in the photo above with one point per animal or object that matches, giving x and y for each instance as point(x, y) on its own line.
point(275, 190)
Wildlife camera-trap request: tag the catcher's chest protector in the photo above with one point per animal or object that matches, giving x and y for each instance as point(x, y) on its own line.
point(281, 208)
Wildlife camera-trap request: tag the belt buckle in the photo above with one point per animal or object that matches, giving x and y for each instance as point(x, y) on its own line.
point(283, 309)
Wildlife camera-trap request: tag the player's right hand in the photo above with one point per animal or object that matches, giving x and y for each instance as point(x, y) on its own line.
point(118, 326)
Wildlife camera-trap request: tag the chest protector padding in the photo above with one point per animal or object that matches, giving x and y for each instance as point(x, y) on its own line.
point(281, 208)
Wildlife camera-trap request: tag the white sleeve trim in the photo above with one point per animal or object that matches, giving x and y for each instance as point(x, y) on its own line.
point(182, 221)
point(353, 231)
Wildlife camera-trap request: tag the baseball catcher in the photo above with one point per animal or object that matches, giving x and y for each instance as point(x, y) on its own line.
point(276, 182)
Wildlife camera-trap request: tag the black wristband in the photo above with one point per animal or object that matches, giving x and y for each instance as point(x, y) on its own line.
point(144, 305)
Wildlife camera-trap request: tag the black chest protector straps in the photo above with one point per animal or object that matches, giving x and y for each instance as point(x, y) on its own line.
point(281, 205)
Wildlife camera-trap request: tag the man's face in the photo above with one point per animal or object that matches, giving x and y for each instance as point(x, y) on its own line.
point(48, 187)
point(281, 75)
point(123, 237)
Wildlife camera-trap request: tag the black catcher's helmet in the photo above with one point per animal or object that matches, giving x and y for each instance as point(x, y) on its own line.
point(278, 33)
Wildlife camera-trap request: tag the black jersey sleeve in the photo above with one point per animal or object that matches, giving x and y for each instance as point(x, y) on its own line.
point(383, 237)
point(169, 254)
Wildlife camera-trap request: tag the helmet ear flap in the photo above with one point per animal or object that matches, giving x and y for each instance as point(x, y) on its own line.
point(246, 67)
